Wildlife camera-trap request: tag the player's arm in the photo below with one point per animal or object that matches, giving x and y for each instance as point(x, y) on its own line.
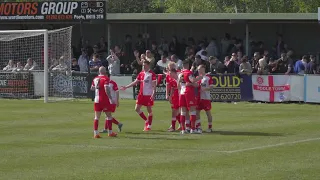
point(135, 82)
point(108, 91)
point(168, 89)
point(154, 87)
point(210, 87)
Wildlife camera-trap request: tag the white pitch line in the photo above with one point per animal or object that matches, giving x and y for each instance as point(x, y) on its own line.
point(138, 148)
point(274, 145)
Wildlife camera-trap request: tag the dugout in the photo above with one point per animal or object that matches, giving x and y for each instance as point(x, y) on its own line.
point(300, 30)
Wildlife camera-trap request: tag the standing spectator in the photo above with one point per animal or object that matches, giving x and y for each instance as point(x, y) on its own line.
point(162, 64)
point(233, 46)
point(263, 68)
point(197, 62)
point(154, 50)
point(280, 46)
point(18, 68)
point(312, 66)
point(136, 65)
point(216, 67)
point(282, 65)
point(226, 60)
point(128, 50)
point(245, 66)
point(203, 48)
point(140, 45)
point(163, 45)
point(255, 62)
point(88, 48)
point(151, 59)
point(239, 57)
point(232, 67)
point(114, 63)
point(225, 43)
point(83, 61)
point(31, 65)
point(75, 66)
point(301, 66)
point(174, 46)
point(95, 63)
point(174, 58)
point(122, 60)
point(212, 48)
point(10, 67)
point(183, 46)
point(102, 48)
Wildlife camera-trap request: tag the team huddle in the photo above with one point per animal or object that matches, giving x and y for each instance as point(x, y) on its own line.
point(188, 96)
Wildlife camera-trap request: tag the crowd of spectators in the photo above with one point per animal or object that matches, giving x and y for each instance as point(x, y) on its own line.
point(224, 56)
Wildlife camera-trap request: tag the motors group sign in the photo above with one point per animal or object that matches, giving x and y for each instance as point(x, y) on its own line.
point(53, 10)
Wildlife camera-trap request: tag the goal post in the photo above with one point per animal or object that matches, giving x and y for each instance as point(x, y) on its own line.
point(32, 61)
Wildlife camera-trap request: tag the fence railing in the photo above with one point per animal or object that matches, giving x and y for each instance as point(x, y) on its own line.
point(226, 87)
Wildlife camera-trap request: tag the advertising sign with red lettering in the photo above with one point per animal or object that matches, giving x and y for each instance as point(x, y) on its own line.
point(53, 11)
point(16, 85)
point(271, 88)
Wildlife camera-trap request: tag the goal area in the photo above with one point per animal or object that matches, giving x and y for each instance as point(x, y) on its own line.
point(36, 64)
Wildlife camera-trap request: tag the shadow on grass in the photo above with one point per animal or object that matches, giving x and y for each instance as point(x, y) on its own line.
point(165, 133)
point(159, 138)
point(238, 133)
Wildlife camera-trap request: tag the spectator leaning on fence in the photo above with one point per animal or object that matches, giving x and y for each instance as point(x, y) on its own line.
point(61, 66)
point(245, 66)
point(282, 65)
point(312, 66)
point(75, 66)
point(114, 63)
point(95, 63)
point(18, 68)
point(216, 67)
point(31, 65)
point(301, 66)
point(11, 66)
point(263, 67)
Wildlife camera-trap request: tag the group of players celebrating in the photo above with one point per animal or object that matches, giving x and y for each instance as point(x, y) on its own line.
point(187, 94)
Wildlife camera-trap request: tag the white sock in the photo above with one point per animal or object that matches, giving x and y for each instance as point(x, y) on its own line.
point(96, 132)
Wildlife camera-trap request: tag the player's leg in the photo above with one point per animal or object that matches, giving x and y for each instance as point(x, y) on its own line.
point(174, 115)
point(141, 114)
point(97, 114)
point(150, 118)
point(187, 121)
point(198, 122)
point(183, 113)
point(193, 118)
point(209, 115)
point(109, 122)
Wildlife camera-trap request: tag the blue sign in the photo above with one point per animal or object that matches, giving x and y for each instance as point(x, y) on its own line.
point(231, 88)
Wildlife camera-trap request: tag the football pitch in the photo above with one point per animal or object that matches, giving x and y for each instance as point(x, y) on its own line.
point(251, 142)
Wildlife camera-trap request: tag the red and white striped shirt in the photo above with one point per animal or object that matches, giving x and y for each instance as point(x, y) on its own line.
point(99, 83)
point(146, 78)
point(113, 91)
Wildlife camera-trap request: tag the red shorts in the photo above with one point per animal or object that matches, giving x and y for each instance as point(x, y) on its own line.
point(144, 100)
point(204, 104)
point(112, 108)
point(99, 107)
point(175, 102)
point(187, 100)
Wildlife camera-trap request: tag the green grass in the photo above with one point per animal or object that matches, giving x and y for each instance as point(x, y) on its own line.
point(54, 141)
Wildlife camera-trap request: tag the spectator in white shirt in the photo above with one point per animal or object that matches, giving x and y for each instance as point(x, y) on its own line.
point(83, 61)
point(175, 59)
point(212, 48)
point(114, 63)
point(162, 64)
point(18, 68)
point(10, 66)
point(31, 65)
point(61, 66)
point(203, 48)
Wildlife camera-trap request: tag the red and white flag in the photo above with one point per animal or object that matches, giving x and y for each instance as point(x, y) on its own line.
point(271, 88)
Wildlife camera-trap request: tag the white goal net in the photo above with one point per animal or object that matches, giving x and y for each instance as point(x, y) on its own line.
point(36, 64)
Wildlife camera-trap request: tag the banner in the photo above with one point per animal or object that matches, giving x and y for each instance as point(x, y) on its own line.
point(296, 88)
point(231, 88)
point(53, 11)
point(80, 84)
point(271, 88)
point(16, 85)
point(312, 88)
